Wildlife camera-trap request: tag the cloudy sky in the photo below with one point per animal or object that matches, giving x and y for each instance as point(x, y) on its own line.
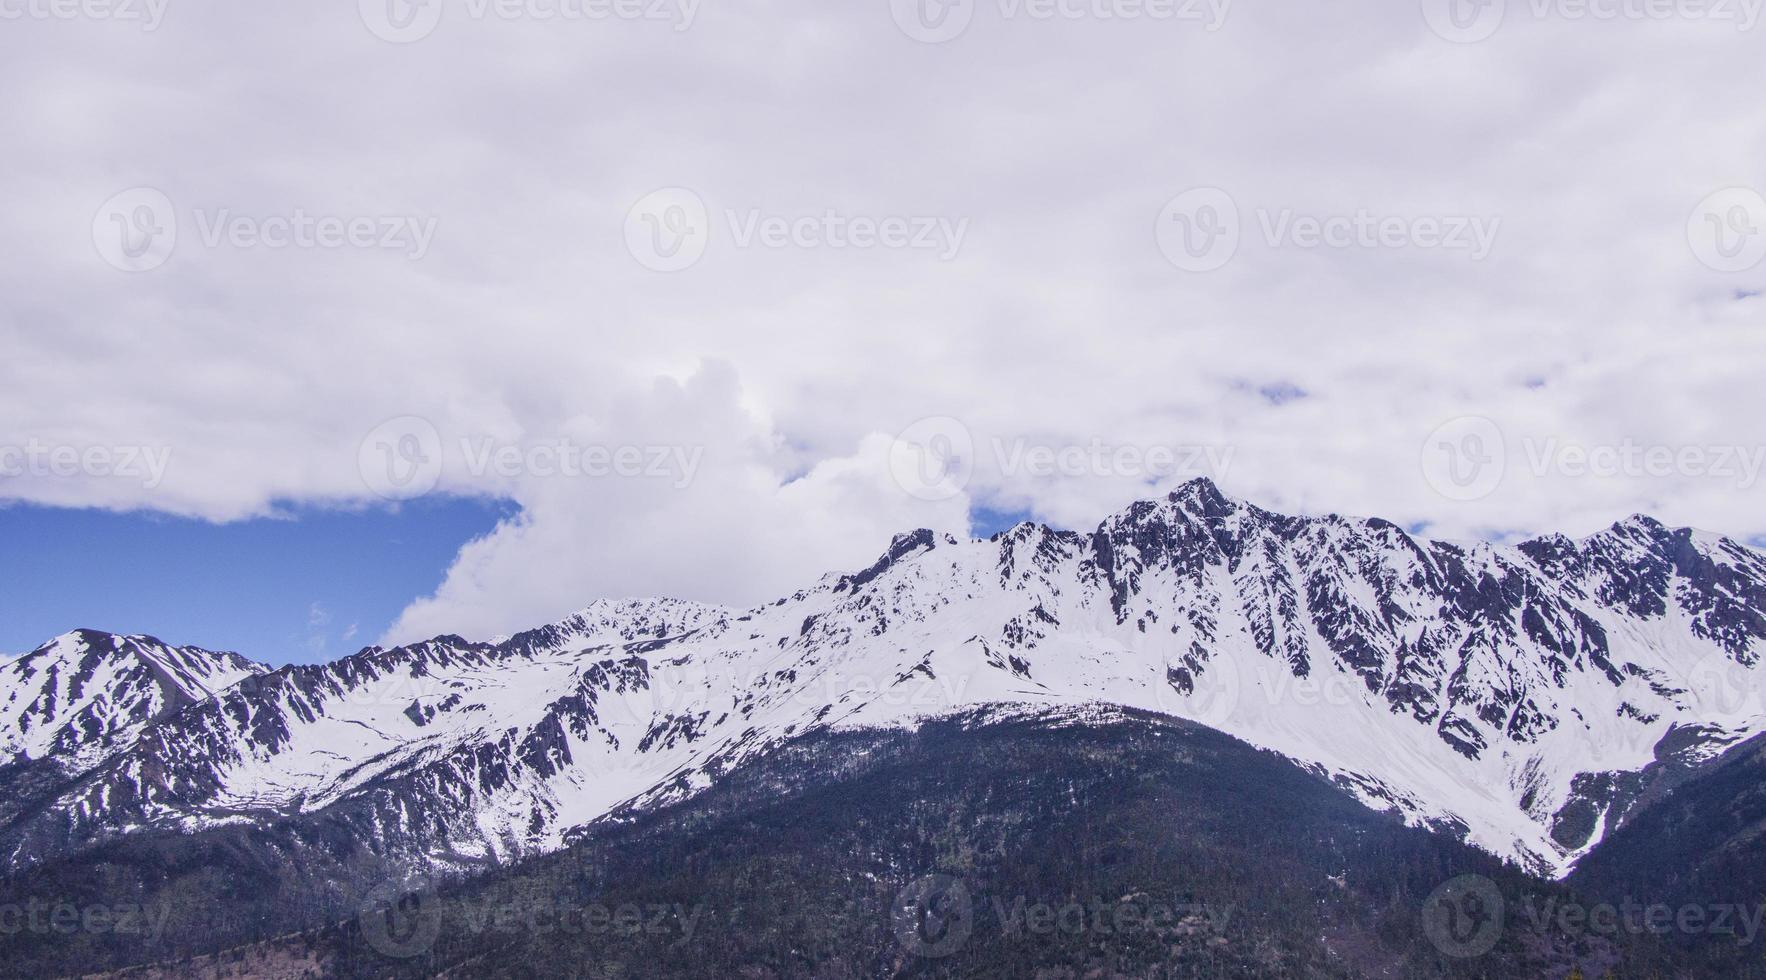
point(707, 299)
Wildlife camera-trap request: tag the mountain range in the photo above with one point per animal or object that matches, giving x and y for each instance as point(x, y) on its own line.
point(1525, 700)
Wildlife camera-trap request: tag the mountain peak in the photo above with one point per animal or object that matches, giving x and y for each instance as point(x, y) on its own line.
point(1203, 498)
point(1195, 501)
point(900, 547)
point(88, 691)
point(76, 639)
point(1640, 523)
point(86, 645)
point(1636, 531)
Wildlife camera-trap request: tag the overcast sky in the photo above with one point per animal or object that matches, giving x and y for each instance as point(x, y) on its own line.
point(1492, 270)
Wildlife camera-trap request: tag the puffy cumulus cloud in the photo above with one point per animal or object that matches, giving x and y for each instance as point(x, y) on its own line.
point(1568, 326)
point(715, 511)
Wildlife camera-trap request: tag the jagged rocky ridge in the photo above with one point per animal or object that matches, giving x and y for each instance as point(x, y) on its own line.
point(1523, 697)
point(86, 694)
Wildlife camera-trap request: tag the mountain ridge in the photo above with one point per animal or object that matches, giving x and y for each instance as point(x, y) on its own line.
point(1516, 694)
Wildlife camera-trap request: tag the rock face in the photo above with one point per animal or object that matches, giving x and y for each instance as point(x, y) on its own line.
point(1524, 697)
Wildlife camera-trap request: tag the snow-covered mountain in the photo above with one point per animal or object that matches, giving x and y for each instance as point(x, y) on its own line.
point(86, 694)
point(1521, 696)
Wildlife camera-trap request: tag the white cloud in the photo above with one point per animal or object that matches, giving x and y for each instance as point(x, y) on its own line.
point(1059, 322)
